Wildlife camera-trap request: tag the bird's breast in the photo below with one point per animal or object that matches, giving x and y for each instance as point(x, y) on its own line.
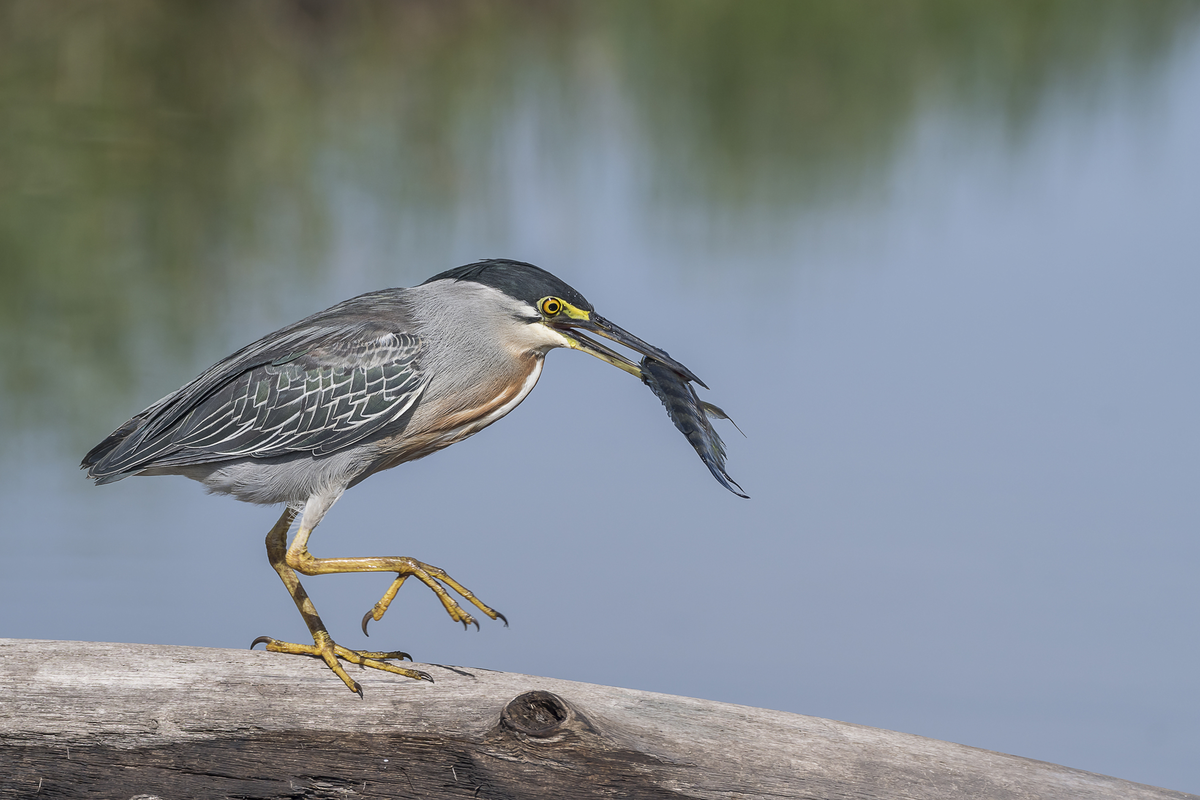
point(498, 399)
point(446, 417)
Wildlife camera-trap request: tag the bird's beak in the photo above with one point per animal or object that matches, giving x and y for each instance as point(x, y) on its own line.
point(574, 321)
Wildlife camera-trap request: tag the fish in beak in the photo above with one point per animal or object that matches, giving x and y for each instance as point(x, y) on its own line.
point(573, 323)
point(670, 381)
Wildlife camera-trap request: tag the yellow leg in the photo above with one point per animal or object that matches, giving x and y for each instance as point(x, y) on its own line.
point(430, 575)
point(299, 559)
point(323, 646)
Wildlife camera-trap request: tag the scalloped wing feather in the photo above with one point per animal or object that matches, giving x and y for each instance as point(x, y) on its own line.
point(306, 392)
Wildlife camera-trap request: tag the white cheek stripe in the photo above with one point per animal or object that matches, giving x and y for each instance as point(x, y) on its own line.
point(540, 337)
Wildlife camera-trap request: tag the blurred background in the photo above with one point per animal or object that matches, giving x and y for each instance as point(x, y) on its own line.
point(939, 260)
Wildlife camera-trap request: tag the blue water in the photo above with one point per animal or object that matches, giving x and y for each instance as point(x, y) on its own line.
point(969, 391)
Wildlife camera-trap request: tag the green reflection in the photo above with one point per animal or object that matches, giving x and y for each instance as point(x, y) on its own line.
point(162, 161)
point(786, 101)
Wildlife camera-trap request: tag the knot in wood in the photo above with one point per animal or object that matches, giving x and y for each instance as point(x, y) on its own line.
point(537, 713)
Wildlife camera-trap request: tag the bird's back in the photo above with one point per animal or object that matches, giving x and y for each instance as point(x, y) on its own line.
point(323, 384)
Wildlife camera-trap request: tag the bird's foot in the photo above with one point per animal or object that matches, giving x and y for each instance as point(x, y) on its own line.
point(430, 576)
point(324, 648)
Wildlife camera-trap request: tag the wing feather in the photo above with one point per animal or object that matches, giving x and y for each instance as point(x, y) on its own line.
point(314, 387)
point(303, 405)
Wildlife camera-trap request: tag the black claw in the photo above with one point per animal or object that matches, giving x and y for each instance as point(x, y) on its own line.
point(425, 676)
point(358, 690)
point(366, 619)
point(501, 617)
point(261, 640)
point(475, 622)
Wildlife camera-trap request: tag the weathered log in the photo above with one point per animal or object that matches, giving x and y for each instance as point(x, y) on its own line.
point(121, 721)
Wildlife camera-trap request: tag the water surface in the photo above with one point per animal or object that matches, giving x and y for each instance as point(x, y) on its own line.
point(938, 261)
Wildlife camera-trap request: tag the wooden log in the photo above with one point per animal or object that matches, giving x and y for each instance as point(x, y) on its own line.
point(124, 721)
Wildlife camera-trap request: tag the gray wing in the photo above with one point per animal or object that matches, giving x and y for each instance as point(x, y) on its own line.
point(310, 403)
point(310, 389)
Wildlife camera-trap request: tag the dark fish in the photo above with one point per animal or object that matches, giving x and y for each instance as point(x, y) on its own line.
point(692, 416)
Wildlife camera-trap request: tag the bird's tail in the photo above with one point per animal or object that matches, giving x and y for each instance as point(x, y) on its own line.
point(98, 460)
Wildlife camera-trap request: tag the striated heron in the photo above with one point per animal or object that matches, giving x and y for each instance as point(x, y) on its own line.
point(308, 411)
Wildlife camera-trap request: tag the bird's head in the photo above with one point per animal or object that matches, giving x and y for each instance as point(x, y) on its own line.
point(549, 313)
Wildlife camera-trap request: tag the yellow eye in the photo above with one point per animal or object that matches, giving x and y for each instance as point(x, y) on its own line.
point(551, 306)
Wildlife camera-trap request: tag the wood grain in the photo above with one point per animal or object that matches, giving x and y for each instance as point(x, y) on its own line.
point(122, 721)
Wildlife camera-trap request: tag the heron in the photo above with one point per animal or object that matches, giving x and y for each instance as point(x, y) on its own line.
point(309, 411)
